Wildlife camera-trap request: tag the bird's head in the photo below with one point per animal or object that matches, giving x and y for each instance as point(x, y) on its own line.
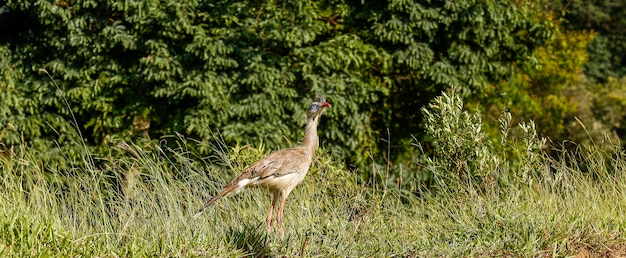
point(316, 107)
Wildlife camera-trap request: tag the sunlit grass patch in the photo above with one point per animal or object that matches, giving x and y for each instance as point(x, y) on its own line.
point(139, 201)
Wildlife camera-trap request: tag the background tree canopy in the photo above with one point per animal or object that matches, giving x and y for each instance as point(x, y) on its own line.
point(247, 69)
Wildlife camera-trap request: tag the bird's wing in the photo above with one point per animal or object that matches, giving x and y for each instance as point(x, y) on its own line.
point(276, 164)
point(279, 163)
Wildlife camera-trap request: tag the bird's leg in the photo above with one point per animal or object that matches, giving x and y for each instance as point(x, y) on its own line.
point(269, 216)
point(279, 218)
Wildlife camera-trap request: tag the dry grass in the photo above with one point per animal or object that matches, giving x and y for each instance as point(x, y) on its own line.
point(139, 200)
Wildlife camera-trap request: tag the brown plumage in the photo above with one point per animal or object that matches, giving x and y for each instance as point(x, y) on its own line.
point(281, 171)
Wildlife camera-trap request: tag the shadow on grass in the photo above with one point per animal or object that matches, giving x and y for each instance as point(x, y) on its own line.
point(252, 240)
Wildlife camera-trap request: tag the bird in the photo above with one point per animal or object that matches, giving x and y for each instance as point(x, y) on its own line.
point(281, 171)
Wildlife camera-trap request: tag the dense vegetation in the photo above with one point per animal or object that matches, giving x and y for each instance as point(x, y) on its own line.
point(471, 127)
point(245, 69)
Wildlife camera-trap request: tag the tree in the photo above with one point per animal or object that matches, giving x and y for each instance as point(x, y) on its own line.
point(248, 69)
point(151, 68)
point(547, 88)
point(437, 44)
point(607, 57)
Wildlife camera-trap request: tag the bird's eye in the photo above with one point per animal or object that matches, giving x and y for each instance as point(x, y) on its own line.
point(313, 106)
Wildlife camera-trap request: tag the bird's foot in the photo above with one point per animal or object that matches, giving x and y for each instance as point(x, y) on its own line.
point(269, 225)
point(281, 233)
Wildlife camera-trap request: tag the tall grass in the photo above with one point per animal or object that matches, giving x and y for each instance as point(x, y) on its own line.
point(508, 199)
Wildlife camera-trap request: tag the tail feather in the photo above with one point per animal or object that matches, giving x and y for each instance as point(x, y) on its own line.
point(207, 204)
point(236, 185)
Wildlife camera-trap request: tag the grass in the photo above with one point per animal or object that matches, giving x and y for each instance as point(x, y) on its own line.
point(139, 201)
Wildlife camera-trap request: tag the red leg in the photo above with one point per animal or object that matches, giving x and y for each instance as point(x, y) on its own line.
point(269, 216)
point(279, 218)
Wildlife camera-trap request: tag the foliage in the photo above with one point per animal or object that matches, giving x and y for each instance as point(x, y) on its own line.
point(567, 80)
point(435, 44)
point(463, 154)
point(601, 85)
point(547, 88)
point(148, 68)
point(460, 142)
point(609, 108)
point(607, 18)
point(246, 69)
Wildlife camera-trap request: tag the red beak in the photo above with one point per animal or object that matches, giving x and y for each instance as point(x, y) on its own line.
point(326, 104)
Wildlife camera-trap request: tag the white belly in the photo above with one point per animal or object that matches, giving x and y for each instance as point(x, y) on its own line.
point(284, 183)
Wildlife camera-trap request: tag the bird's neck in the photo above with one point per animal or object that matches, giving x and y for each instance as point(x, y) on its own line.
point(311, 141)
